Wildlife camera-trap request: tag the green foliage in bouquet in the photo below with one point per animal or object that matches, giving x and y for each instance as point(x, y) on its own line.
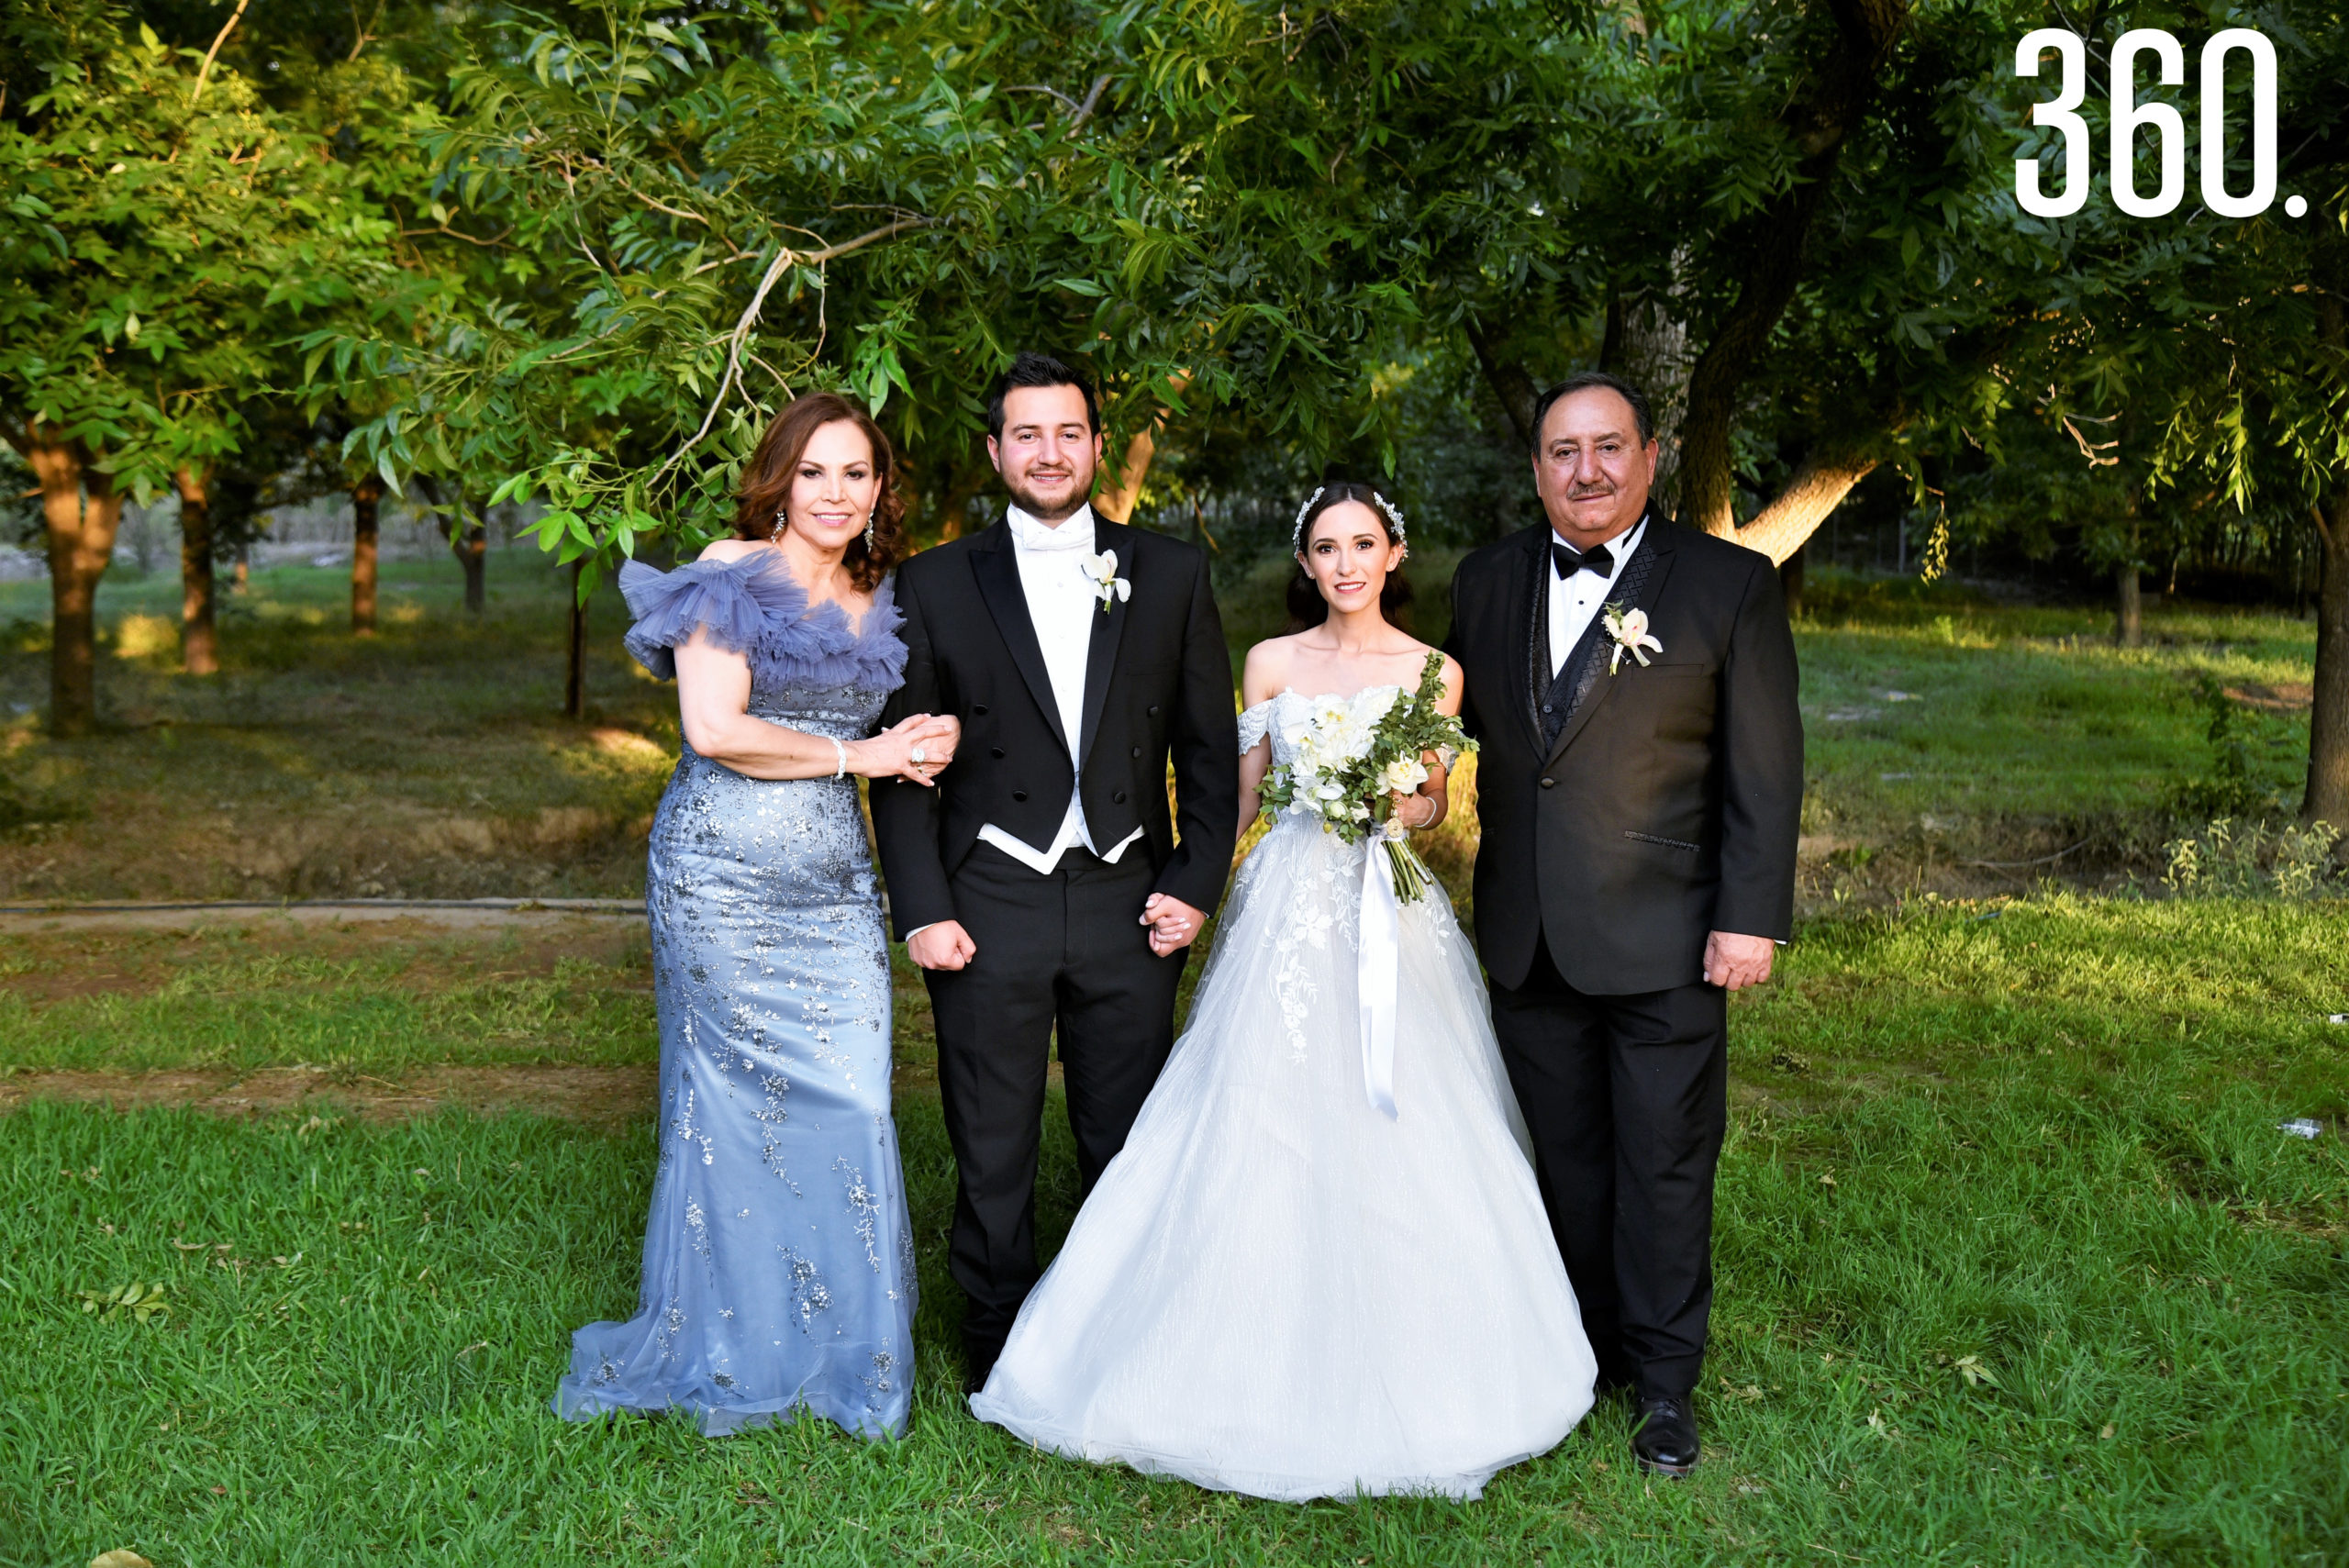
point(1355, 754)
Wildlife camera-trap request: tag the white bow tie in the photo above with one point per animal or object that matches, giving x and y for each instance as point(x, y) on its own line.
point(1075, 533)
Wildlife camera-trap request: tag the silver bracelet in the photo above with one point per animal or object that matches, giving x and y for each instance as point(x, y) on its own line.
point(840, 752)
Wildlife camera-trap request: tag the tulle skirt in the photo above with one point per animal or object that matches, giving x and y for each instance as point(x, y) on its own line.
point(1277, 1290)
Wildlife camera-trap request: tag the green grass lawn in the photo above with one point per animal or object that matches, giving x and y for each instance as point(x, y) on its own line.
point(2014, 1266)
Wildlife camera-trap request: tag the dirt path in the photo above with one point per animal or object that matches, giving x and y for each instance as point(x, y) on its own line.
point(608, 1096)
point(456, 913)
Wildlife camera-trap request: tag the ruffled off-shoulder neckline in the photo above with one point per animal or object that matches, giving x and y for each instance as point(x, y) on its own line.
point(754, 606)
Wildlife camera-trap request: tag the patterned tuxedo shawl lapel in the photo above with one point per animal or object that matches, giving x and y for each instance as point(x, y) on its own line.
point(1530, 609)
point(1583, 684)
point(996, 566)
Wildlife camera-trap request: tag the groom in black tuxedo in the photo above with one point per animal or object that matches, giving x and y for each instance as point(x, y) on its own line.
point(1041, 885)
point(1638, 790)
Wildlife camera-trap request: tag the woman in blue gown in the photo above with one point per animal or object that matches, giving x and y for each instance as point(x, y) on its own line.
point(779, 1263)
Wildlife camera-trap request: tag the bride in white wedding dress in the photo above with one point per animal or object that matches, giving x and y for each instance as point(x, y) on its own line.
point(1277, 1288)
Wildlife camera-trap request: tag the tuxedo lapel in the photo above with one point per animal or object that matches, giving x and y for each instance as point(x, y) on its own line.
point(1109, 631)
point(1524, 605)
point(1658, 546)
point(996, 566)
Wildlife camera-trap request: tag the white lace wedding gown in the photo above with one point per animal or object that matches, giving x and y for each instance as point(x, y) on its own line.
point(1276, 1289)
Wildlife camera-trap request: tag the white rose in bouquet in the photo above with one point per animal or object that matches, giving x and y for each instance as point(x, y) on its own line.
point(1403, 775)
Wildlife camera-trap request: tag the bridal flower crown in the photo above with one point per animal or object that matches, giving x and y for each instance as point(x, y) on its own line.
point(1297, 530)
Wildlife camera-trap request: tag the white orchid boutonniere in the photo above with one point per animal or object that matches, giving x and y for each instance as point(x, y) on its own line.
point(1102, 570)
point(1629, 631)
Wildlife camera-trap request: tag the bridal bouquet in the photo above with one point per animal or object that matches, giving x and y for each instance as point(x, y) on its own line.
point(1354, 754)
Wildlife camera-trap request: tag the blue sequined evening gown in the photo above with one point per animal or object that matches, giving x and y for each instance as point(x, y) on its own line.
point(779, 1263)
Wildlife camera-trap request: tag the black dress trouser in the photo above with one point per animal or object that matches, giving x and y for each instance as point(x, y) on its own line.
point(1065, 950)
point(1626, 1099)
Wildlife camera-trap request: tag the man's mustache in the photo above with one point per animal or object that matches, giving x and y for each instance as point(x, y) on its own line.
point(1584, 492)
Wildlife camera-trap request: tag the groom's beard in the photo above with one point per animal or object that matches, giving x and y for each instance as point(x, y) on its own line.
point(1045, 509)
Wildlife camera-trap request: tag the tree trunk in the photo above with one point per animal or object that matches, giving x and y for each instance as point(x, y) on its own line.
point(1114, 497)
point(472, 548)
point(199, 626)
point(81, 510)
point(1790, 575)
point(2328, 793)
point(1647, 345)
point(574, 682)
point(366, 502)
point(961, 485)
point(1822, 121)
point(1513, 389)
point(2128, 606)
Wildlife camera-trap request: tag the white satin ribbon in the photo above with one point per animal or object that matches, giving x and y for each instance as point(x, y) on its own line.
point(1375, 961)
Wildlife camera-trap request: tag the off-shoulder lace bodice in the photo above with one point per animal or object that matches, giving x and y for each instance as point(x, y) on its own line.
point(1276, 714)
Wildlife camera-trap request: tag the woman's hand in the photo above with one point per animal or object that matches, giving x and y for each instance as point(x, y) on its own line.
point(890, 755)
point(1414, 811)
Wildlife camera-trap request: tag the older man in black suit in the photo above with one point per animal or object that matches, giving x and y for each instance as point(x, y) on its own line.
point(1632, 683)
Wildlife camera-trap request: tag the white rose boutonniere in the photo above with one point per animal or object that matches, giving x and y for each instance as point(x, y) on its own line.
point(1102, 570)
point(1629, 631)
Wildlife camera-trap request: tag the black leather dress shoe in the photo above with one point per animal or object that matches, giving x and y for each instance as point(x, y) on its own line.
point(1664, 1436)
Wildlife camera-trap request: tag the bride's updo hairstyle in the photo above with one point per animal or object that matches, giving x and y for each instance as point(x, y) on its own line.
point(1307, 608)
point(766, 483)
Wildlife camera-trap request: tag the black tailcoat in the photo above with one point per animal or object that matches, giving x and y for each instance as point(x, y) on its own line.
point(1157, 685)
point(1062, 959)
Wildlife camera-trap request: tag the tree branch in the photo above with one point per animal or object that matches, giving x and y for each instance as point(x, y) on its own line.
point(213, 53)
point(784, 258)
point(1815, 488)
point(1080, 112)
point(495, 243)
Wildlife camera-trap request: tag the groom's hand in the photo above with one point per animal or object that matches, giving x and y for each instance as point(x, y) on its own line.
point(1733, 962)
point(945, 945)
point(1173, 925)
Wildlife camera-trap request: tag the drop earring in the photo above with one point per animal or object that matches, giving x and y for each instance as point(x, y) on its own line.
point(868, 531)
point(782, 516)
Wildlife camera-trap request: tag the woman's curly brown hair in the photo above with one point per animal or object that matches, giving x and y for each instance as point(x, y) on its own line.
point(766, 483)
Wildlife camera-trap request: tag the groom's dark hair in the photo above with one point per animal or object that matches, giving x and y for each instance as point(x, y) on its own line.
point(1039, 370)
point(1584, 383)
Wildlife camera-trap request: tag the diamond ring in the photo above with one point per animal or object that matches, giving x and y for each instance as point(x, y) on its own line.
point(918, 755)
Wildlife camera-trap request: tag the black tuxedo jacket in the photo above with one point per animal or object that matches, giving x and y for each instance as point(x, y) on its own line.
point(1655, 804)
point(1157, 683)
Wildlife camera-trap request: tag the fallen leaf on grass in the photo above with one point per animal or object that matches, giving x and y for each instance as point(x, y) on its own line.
point(1971, 1369)
point(144, 1302)
point(2109, 1430)
point(121, 1557)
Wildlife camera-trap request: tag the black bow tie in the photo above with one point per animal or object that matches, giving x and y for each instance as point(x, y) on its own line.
point(1569, 560)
